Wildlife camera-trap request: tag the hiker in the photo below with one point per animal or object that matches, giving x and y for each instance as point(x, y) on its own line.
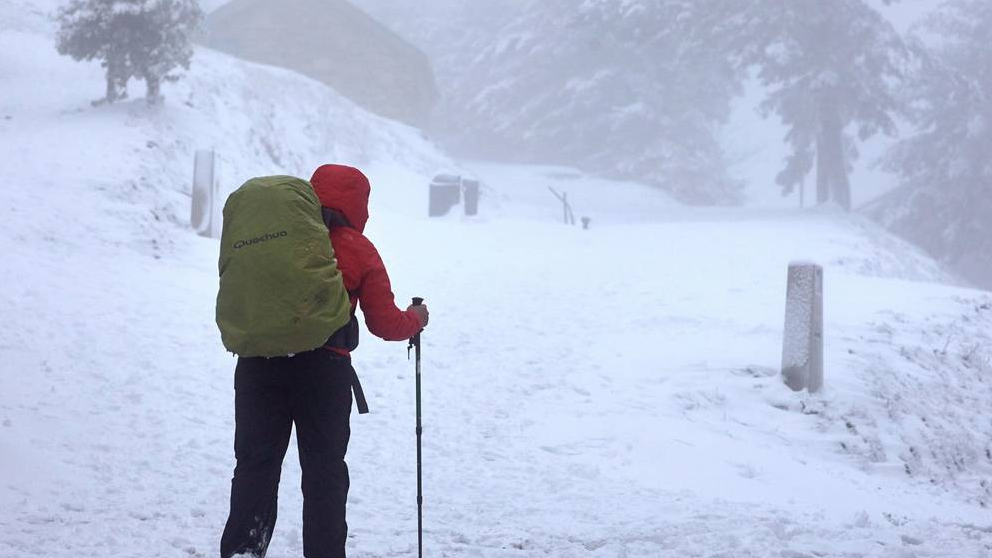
point(312, 390)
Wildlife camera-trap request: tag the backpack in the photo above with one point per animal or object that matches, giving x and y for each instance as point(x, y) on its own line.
point(281, 292)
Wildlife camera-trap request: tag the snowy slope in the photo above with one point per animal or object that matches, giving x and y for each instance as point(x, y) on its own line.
point(257, 119)
point(610, 392)
point(625, 408)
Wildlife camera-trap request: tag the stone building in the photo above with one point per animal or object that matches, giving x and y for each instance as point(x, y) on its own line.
point(334, 42)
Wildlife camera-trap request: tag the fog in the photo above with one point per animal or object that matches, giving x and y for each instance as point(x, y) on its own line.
point(615, 278)
point(701, 98)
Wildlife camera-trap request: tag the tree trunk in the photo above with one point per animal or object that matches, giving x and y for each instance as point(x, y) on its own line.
point(841, 184)
point(154, 85)
point(116, 86)
point(111, 94)
point(822, 174)
point(831, 165)
point(113, 90)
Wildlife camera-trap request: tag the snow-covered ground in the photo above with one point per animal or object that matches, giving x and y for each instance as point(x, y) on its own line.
point(610, 392)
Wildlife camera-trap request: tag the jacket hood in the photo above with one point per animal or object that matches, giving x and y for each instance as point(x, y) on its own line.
point(344, 189)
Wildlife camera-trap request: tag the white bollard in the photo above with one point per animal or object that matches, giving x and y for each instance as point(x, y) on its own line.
point(802, 351)
point(202, 208)
point(217, 208)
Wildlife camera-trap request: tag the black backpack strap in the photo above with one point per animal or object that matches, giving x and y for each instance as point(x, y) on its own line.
point(346, 337)
point(356, 386)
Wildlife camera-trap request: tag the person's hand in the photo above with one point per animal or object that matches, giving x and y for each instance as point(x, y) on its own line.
point(422, 313)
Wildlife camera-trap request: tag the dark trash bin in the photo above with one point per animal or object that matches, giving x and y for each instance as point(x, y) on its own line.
point(445, 193)
point(471, 188)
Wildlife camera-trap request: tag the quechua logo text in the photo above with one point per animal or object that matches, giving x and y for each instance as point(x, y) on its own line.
point(259, 239)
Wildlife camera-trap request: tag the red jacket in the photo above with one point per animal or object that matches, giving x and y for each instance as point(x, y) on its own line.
point(346, 190)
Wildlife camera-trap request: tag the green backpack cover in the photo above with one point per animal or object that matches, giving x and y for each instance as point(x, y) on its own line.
point(281, 292)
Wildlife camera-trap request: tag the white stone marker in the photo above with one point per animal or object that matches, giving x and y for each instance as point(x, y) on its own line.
point(802, 350)
point(202, 208)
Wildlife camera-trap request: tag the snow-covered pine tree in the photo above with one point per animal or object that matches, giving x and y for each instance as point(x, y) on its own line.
point(681, 92)
point(945, 203)
point(143, 39)
point(602, 85)
point(831, 68)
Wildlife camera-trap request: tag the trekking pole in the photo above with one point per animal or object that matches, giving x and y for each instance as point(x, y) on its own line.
point(415, 344)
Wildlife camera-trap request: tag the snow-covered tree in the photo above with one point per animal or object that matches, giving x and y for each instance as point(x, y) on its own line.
point(831, 69)
point(602, 85)
point(945, 204)
point(142, 39)
point(662, 98)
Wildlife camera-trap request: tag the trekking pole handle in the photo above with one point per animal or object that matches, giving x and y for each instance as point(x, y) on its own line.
point(418, 301)
point(415, 340)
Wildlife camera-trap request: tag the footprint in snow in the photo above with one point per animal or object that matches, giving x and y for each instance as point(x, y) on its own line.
point(910, 540)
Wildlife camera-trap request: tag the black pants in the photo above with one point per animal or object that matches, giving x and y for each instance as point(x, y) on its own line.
point(312, 390)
